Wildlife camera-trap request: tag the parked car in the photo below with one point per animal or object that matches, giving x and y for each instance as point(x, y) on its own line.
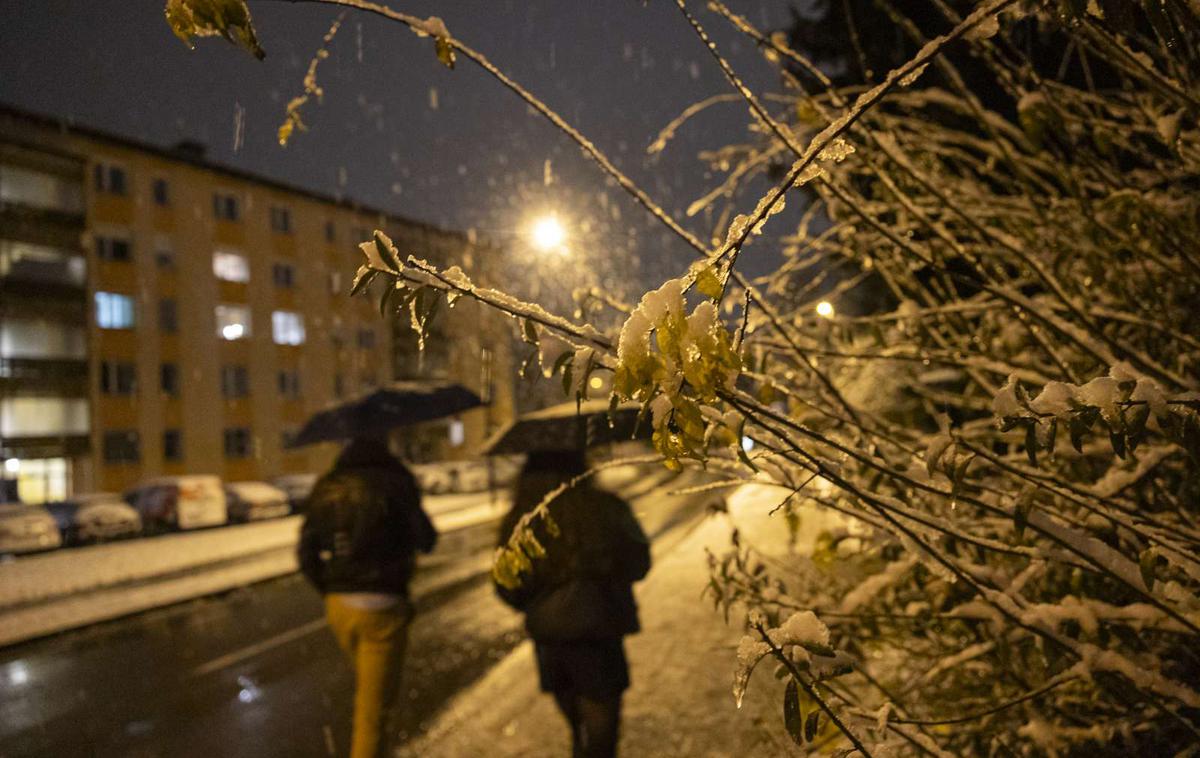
point(432, 478)
point(97, 517)
point(255, 501)
point(470, 475)
point(27, 528)
point(180, 502)
point(298, 487)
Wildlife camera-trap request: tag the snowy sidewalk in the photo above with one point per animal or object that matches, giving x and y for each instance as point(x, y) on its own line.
point(681, 663)
point(52, 592)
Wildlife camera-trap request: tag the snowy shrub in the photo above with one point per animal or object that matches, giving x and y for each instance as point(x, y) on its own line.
point(1009, 409)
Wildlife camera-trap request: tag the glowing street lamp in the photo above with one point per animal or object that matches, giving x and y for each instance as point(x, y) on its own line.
point(548, 233)
point(825, 309)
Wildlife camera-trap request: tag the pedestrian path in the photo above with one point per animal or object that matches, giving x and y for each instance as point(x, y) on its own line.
point(680, 703)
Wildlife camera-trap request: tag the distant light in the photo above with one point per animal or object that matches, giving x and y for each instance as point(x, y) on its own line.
point(18, 672)
point(233, 331)
point(747, 444)
point(825, 309)
point(548, 233)
point(12, 466)
point(595, 382)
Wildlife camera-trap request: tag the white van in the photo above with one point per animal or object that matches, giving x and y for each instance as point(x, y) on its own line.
point(180, 502)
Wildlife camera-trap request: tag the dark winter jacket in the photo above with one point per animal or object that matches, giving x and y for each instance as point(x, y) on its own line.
point(582, 588)
point(364, 524)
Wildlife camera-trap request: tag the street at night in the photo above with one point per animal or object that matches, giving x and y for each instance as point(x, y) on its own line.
point(544, 378)
point(255, 671)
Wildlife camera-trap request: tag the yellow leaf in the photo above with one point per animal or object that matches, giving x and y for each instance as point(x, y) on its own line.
point(708, 283)
point(445, 51)
point(213, 18)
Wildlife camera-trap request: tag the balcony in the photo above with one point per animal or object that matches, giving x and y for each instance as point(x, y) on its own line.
point(46, 226)
point(61, 376)
point(60, 446)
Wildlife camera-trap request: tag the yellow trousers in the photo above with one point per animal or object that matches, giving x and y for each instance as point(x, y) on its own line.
point(375, 642)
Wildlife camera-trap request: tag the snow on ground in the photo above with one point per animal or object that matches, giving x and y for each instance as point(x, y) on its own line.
point(681, 663)
point(51, 592)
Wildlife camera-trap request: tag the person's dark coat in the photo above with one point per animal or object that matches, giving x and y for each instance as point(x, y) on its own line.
point(364, 524)
point(582, 588)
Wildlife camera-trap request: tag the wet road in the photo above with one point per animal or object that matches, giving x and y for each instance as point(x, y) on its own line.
point(254, 672)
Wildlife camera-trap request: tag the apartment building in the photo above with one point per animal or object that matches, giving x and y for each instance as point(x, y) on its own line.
point(162, 314)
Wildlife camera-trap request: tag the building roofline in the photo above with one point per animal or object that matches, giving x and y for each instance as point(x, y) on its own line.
point(68, 126)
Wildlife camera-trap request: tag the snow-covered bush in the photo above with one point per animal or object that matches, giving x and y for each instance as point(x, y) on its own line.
point(1013, 416)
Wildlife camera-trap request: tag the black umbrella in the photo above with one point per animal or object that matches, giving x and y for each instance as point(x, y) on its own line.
point(566, 427)
point(381, 410)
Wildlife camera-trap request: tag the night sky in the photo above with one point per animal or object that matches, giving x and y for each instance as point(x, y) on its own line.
point(398, 130)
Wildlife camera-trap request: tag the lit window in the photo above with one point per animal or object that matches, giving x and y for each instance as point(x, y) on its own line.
point(36, 189)
point(116, 249)
point(114, 311)
point(31, 416)
point(287, 328)
point(335, 282)
point(41, 338)
point(233, 321)
point(110, 179)
point(456, 433)
point(230, 266)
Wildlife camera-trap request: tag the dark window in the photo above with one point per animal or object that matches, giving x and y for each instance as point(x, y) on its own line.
point(235, 381)
point(168, 315)
point(164, 256)
point(237, 442)
point(330, 231)
point(289, 383)
point(281, 220)
point(283, 274)
point(225, 206)
point(110, 179)
point(118, 378)
point(172, 445)
point(122, 447)
point(287, 437)
point(339, 385)
point(169, 379)
point(162, 192)
point(114, 249)
point(366, 338)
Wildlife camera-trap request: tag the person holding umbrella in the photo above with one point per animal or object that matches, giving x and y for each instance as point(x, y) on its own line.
point(577, 598)
point(362, 530)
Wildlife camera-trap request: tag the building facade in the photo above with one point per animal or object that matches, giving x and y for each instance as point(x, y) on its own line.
point(161, 314)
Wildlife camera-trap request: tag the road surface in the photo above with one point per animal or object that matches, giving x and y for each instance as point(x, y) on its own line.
point(254, 672)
